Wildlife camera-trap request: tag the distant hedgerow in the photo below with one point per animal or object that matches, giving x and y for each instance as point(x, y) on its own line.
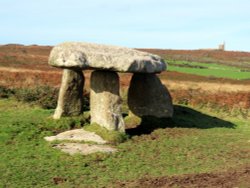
point(44, 96)
point(5, 92)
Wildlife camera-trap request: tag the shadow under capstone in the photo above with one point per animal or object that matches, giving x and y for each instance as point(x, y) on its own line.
point(184, 117)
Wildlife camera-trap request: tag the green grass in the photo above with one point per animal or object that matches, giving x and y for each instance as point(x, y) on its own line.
point(209, 69)
point(191, 142)
point(113, 137)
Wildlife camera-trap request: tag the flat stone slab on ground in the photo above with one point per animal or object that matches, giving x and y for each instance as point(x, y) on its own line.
point(83, 55)
point(84, 149)
point(77, 135)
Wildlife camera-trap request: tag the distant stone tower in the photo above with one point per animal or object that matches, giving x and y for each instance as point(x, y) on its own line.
point(222, 46)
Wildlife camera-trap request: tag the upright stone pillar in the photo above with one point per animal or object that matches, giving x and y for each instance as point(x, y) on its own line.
point(70, 100)
point(105, 100)
point(147, 96)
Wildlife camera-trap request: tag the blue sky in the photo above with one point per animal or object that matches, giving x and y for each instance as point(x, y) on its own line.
point(176, 24)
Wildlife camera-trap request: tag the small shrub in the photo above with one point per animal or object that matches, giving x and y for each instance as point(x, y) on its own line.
point(5, 92)
point(25, 95)
point(47, 97)
point(44, 96)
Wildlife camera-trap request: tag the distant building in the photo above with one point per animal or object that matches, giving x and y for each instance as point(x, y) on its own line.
point(222, 47)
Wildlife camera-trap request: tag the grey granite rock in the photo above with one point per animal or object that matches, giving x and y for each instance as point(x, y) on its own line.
point(104, 57)
point(77, 135)
point(148, 97)
point(105, 101)
point(70, 99)
point(84, 149)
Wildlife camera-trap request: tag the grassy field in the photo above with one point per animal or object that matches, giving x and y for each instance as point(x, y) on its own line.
point(194, 141)
point(209, 69)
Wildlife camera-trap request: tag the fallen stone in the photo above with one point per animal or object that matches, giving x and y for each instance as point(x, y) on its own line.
point(70, 100)
point(84, 149)
point(147, 96)
point(104, 57)
point(77, 135)
point(105, 101)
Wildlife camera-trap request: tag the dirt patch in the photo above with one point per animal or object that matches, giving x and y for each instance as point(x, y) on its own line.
point(230, 178)
point(159, 133)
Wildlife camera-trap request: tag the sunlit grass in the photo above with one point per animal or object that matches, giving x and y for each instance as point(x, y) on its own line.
point(191, 142)
point(209, 69)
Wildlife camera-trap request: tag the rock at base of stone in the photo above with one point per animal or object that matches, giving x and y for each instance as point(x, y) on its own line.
point(84, 149)
point(147, 96)
point(70, 100)
point(105, 100)
point(77, 135)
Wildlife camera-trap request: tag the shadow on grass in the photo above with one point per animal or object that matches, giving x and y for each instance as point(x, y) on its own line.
point(184, 117)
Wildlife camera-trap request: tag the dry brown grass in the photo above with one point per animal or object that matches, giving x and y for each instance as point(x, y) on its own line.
point(206, 86)
point(28, 78)
point(229, 95)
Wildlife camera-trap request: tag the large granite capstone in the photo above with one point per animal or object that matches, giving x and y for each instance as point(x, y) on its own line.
point(104, 57)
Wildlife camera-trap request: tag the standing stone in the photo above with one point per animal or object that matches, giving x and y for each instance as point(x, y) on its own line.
point(147, 96)
point(70, 100)
point(105, 101)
